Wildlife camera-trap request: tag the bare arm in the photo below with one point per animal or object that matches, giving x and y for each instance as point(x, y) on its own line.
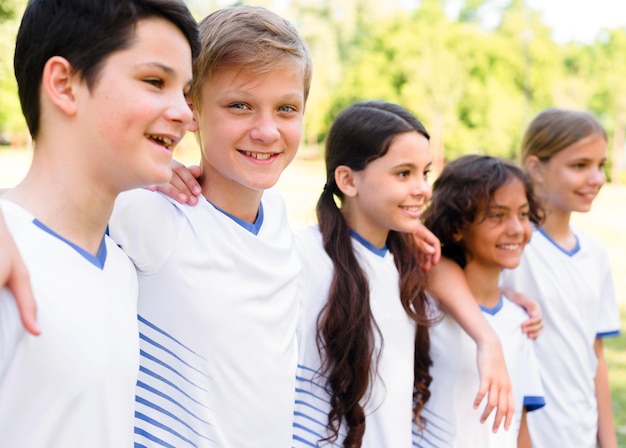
point(606, 425)
point(523, 437)
point(14, 275)
point(447, 284)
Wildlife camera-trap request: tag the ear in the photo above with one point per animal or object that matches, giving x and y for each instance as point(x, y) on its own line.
point(59, 84)
point(345, 180)
point(533, 167)
point(193, 126)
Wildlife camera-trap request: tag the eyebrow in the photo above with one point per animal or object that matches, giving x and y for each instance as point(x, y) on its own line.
point(504, 207)
point(412, 165)
point(165, 68)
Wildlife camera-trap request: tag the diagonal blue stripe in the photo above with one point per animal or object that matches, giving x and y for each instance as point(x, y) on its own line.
point(153, 358)
point(145, 418)
point(169, 383)
point(154, 343)
point(170, 415)
point(149, 324)
point(149, 388)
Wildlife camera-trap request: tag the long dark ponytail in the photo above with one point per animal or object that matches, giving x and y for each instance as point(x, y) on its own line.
point(345, 328)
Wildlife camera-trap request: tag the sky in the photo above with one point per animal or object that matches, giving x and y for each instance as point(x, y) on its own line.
point(570, 20)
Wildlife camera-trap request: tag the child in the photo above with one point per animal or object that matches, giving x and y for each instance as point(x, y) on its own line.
point(77, 66)
point(217, 282)
point(218, 307)
point(568, 273)
point(481, 211)
point(363, 344)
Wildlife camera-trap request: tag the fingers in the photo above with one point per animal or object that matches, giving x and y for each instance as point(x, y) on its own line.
point(184, 186)
point(19, 284)
point(533, 326)
point(428, 246)
point(500, 398)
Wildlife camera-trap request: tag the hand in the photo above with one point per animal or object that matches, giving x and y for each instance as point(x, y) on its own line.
point(14, 275)
point(533, 326)
point(183, 186)
point(494, 381)
point(428, 246)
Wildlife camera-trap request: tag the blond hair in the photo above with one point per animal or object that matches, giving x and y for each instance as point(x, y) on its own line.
point(250, 37)
point(556, 129)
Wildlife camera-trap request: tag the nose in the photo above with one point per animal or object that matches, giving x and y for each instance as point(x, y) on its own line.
point(515, 225)
point(597, 176)
point(422, 188)
point(265, 129)
point(179, 110)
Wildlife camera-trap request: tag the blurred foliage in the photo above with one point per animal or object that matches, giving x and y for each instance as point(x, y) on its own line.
point(474, 87)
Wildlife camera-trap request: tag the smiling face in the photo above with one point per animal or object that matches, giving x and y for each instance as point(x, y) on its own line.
point(137, 110)
point(249, 127)
point(570, 180)
point(391, 191)
point(497, 236)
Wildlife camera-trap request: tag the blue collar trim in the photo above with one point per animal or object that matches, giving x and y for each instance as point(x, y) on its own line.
point(381, 252)
point(253, 228)
point(98, 261)
point(566, 252)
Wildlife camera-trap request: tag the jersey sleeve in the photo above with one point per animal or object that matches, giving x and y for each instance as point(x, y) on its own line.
point(146, 226)
point(10, 328)
point(534, 396)
point(609, 323)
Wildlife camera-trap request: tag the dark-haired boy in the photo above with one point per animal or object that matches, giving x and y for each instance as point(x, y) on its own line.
point(103, 87)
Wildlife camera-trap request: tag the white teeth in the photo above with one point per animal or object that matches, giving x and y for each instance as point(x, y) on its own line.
point(257, 155)
point(413, 208)
point(165, 140)
point(509, 246)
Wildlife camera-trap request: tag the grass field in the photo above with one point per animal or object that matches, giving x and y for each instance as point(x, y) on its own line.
point(303, 180)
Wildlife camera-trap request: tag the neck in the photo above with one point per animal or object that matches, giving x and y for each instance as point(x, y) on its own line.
point(557, 225)
point(234, 198)
point(65, 198)
point(483, 282)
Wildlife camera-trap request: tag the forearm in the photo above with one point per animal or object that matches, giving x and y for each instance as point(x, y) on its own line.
point(606, 425)
point(447, 284)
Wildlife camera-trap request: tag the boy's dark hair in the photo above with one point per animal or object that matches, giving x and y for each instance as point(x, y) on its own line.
point(85, 32)
point(346, 328)
point(462, 192)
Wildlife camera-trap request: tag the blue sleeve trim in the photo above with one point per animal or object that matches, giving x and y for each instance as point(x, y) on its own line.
point(532, 403)
point(608, 334)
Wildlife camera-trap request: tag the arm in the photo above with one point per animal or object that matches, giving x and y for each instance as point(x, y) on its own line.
point(14, 275)
point(533, 326)
point(523, 438)
point(606, 425)
point(184, 186)
point(447, 284)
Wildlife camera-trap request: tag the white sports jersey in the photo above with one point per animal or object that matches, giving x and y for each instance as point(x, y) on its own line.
point(451, 418)
point(389, 408)
point(577, 299)
point(217, 317)
point(73, 386)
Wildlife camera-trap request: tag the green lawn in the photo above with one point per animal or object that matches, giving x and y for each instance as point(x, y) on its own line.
point(615, 352)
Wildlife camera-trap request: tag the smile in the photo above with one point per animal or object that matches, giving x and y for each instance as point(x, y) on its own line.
point(509, 246)
point(258, 155)
point(163, 141)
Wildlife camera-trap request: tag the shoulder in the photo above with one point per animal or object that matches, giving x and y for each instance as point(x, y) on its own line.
point(16, 218)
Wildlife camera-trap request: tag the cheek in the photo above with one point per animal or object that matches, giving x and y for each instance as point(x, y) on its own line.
point(527, 230)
